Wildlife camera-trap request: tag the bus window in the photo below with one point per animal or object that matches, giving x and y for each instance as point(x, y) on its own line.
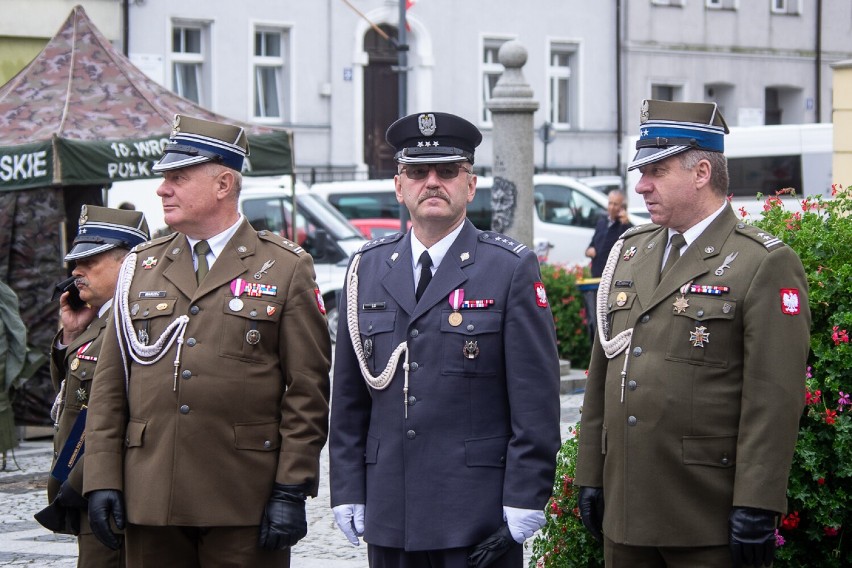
point(764, 174)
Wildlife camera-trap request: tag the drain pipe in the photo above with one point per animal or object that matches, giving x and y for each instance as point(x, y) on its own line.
point(818, 97)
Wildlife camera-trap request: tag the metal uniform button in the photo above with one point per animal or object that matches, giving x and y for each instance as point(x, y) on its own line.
point(725, 460)
point(184, 409)
point(637, 351)
point(194, 310)
point(267, 444)
point(700, 313)
point(411, 434)
point(191, 342)
point(632, 385)
point(645, 319)
point(502, 459)
point(631, 421)
point(83, 374)
point(470, 327)
point(412, 401)
point(414, 366)
point(186, 373)
point(414, 333)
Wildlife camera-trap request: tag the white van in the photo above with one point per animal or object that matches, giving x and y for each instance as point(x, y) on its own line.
point(566, 210)
point(765, 159)
point(320, 229)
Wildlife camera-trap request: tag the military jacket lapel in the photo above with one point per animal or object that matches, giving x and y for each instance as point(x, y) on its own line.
point(398, 278)
point(180, 271)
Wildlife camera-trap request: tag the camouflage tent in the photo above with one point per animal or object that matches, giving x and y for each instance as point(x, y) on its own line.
point(79, 117)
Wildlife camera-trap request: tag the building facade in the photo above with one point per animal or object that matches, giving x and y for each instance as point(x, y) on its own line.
point(329, 70)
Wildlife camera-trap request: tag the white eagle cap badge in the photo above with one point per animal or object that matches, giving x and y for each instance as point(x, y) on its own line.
point(427, 124)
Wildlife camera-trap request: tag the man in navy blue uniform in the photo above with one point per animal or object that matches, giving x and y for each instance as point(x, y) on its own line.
point(445, 403)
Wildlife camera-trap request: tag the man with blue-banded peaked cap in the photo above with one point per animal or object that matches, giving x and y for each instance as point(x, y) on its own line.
point(697, 377)
point(104, 238)
point(210, 404)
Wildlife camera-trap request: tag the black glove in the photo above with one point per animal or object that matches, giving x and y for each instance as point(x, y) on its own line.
point(590, 501)
point(284, 520)
point(752, 536)
point(491, 548)
point(106, 504)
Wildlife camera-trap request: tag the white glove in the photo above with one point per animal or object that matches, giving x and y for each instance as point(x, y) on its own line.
point(523, 522)
point(350, 519)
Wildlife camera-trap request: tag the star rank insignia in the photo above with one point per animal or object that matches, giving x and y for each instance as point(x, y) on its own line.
point(680, 304)
point(700, 336)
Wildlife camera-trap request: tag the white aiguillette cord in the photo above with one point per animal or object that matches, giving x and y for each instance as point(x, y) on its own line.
point(384, 378)
point(128, 342)
point(620, 342)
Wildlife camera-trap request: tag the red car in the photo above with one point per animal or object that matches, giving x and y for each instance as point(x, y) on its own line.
point(375, 228)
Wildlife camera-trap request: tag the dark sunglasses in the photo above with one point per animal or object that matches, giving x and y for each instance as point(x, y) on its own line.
point(419, 172)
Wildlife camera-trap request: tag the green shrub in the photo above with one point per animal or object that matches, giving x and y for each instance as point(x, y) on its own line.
point(820, 488)
point(569, 313)
point(564, 542)
point(819, 491)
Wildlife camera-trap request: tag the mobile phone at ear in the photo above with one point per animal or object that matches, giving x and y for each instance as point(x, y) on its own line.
point(68, 285)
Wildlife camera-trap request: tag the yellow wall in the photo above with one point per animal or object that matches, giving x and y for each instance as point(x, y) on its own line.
point(17, 54)
point(842, 118)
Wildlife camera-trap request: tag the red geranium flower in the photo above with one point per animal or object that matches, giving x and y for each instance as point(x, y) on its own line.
point(831, 531)
point(791, 521)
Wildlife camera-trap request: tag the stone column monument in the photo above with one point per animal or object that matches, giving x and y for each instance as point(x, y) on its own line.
point(512, 107)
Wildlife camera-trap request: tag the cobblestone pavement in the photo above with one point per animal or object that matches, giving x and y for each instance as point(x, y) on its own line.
point(23, 542)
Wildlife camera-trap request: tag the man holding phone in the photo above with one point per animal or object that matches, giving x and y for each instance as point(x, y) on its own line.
point(104, 238)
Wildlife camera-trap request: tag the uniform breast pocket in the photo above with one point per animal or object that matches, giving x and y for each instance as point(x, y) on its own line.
point(151, 317)
point(250, 333)
point(701, 334)
point(618, 311)
point(376, 329)
point(474, 347)
point(79, 384)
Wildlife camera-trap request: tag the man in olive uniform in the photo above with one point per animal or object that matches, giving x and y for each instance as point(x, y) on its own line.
point(445, 413)
point(697, 378)
point(210, 404)
point(104, 237)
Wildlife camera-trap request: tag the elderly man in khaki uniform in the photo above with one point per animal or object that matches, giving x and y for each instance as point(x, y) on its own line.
point(697, 378)
point(210, 405)
point(104, 237)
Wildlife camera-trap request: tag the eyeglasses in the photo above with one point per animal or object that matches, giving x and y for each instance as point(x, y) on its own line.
point(419, 172)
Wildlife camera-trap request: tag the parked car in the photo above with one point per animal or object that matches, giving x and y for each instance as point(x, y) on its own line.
point(563, 222)
point(320, 229)
point(604, 184)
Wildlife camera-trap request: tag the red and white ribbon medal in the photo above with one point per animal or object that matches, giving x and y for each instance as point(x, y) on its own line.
point(456, 299)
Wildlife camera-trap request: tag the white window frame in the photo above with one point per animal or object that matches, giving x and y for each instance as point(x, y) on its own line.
point(556, 75)
point(282, 79)
point(790, 7)
point(669, 2)
point(490, 69)
point(722, 4)
point(192, 59)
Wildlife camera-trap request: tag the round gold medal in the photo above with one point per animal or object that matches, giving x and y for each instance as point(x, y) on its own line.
point(455, 319)
point(74, 364)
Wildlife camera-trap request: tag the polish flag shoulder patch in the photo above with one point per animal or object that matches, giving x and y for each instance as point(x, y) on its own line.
point(320, 302)
point(540, 295)
point(790, 301)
